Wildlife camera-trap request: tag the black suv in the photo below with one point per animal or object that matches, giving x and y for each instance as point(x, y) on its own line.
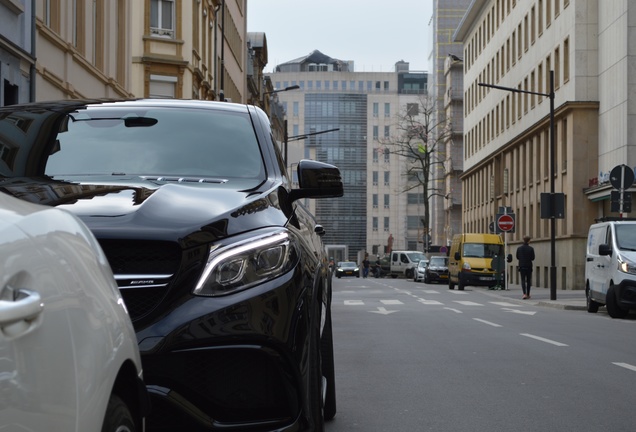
point(220, 265)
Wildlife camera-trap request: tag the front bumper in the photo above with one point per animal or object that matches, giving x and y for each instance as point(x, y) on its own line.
point(231, 363)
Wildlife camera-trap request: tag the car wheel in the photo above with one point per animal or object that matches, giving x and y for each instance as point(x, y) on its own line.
point(592, 306)
point(460, 285)
point(451, 285)
point(409, 273)
point(328, 369)
point(118, 417)
point(613, 309)
point(427, 279)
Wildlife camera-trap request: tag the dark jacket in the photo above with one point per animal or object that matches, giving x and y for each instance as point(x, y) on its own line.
point(525, 255)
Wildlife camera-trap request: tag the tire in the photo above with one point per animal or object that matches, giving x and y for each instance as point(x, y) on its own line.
point(409, 273)
point(592, 306)
point(328, 370)
point(613, 309)
point(118, 416)
point(460, 284)
point(393, 276)
point(451, 285)
point(427, 279)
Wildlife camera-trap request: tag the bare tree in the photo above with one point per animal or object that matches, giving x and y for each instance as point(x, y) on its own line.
point(420, 139)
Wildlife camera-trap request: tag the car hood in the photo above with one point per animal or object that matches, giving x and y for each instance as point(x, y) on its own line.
point(159, 210)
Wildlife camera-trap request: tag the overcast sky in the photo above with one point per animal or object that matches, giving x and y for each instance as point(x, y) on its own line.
point(374, 34)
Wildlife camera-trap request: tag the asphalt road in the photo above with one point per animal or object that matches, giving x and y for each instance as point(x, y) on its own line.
point(416, 357)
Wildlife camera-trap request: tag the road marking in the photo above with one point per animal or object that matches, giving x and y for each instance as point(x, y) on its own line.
point(457, 292)
point(467, 303)
point(505, 304)
point(429, 302)
point(487, 322)
point(391, 302)
point(543, 339)
point(430, 291)
point(454, 310)
point(383, 311)
point(626, 366)
point(353, 302)
point(517, 311)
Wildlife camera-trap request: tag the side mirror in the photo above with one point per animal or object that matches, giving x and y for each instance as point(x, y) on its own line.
point(457, 256)
point(604, 249)
point(317, 180)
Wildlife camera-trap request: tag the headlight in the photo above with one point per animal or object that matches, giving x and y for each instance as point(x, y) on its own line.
point(247, 263)
point(626, 266)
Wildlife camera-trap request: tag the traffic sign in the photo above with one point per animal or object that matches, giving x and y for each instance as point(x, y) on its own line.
point(622, 177)
point(506, 222)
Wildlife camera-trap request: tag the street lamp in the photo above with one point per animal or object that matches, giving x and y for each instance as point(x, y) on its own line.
point(294, 87)
point(302, 137)
point(552, 201)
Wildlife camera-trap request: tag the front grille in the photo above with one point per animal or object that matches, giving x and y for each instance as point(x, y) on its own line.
point(143, 259)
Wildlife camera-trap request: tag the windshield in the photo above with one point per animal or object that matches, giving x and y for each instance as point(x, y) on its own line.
point(439, 261)
point(347, 264)
point(481, 250)
point(155, 141)
point(416, 256)
point(626, 237)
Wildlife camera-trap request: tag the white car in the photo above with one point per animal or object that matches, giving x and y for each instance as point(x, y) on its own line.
point(69, 359)
point(420, 270)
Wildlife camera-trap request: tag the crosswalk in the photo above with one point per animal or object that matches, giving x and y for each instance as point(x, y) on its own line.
point(428, 297)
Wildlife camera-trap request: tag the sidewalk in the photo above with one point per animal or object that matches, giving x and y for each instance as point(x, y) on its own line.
point(565, 299)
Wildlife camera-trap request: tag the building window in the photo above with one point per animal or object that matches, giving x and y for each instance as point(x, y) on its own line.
point(375, 155)
point(375, 223)
point(376, 109)
point(387, 155)
point(162, 87)
point(387, 131)
point(295, 108)
point(387, 110)
point(386, 224)
point(375, 133)
point(162, 18)
point(387, 201)
point(566, 60)
point(375, 200)
point(375, 178)
point(387, 178)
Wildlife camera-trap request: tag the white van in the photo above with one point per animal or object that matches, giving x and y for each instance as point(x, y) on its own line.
point(610, 266)
point(404, 263)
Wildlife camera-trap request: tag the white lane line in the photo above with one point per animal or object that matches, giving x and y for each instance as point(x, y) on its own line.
point(429, 291)
point(429, 302)
point(543, 339)
point(391, 302)
point(487, 322)
point(467, 303)
point(457, 292)
point(454, 310)
point(626, 366)
point(353, 302)
point(505, 304)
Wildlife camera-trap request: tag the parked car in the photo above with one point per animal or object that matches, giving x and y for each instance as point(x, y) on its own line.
point(404, 263)
point(610, 267)
point(347, 268)
point(219, 263)
point(420, 270)
point(69, 359)
point(436, 270)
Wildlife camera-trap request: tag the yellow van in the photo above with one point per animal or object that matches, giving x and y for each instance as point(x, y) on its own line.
point(470, 261)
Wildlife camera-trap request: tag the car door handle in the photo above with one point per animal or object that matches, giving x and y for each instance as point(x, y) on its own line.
point(22, 314)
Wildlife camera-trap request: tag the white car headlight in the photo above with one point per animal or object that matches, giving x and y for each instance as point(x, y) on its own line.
point(626, 266)
point(238, 266)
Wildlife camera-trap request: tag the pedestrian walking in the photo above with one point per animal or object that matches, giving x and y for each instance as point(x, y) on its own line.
point(525, 256)
point(365, 266)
